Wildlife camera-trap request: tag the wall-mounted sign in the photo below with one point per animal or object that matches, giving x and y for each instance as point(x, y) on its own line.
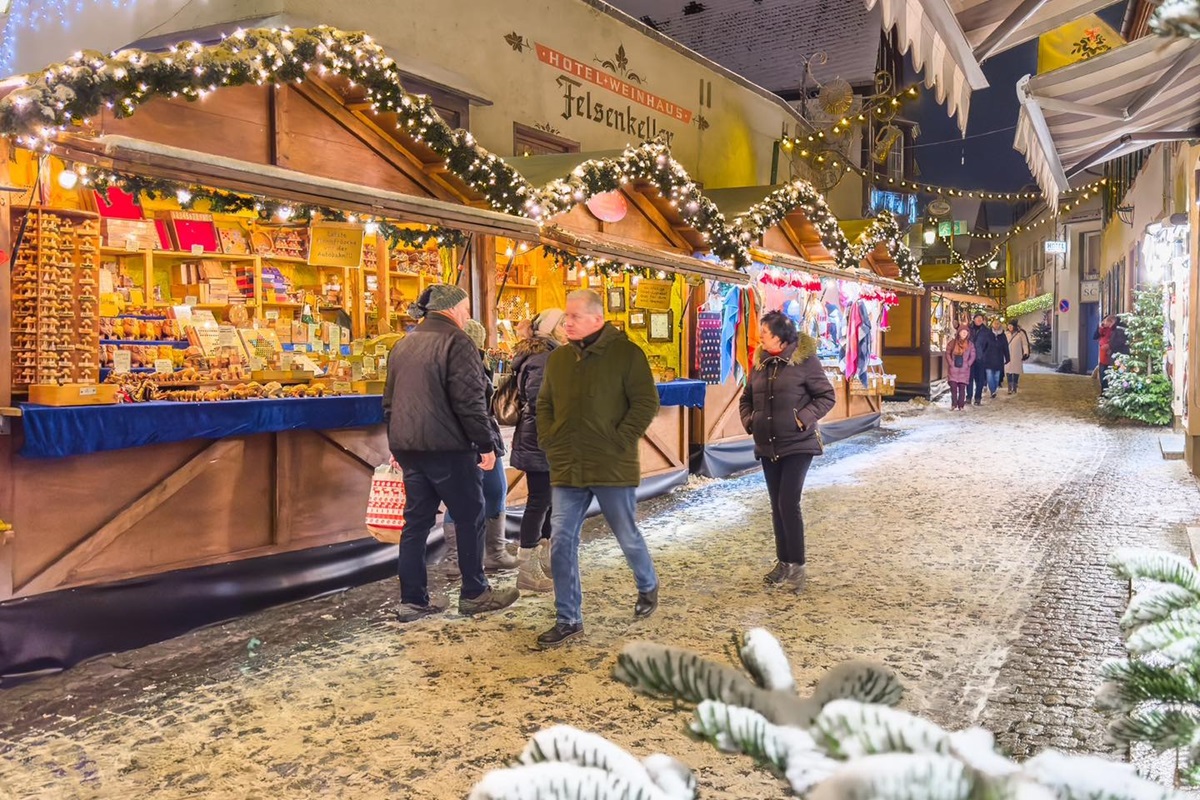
point(654, 295)
point(902, 205)
point(957, 227)
point(608, 207)
point(939, 208)
point(1089, 292)
point(1056, 246)
point(335, 244)
point(1064, 306)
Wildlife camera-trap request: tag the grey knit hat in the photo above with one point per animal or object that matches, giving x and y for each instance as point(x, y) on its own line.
point(477, 333)
point(438, 297)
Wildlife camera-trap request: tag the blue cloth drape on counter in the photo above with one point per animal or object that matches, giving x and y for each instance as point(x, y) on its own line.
point(52, 432)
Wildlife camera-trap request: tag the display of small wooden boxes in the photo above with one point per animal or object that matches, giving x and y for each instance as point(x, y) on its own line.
point(56, 313)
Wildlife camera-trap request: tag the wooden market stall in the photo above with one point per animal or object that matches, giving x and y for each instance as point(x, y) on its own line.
point(795, 262)
point(634, 247)
point(914, 346)
point(138, 521)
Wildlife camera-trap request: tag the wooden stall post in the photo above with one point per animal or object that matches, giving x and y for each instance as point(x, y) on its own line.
point(483, 279)
point(383, 284)
point(7, 478)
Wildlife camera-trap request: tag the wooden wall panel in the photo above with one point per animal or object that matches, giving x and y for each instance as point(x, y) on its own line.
point(325, 495)
point(776, 241)
point(234, 122)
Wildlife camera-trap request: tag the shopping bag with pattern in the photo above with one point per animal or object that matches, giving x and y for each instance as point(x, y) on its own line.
point(385, 506)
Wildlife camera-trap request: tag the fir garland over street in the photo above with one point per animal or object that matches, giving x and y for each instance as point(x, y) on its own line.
point(66, 95)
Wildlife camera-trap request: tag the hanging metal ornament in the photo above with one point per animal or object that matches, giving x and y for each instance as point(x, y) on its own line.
point(836, 98)
point(830, 166)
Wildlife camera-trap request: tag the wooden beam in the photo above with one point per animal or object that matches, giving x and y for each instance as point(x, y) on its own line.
point(370, 135)
point(483, 267)
point(280, 151)
point(60, 571)
point(282, 517)
point(383, 284)
point(656, 218)
point(5, 287)
point(793, 239)
point(365, 460)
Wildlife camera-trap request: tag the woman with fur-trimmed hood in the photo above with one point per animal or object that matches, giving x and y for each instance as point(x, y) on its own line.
point(529, 366)
point(786, 395)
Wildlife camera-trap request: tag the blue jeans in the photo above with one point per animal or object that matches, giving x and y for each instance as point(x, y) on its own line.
point(570, 505)
point(993, 379)
point(495, 493)
point(431, 479)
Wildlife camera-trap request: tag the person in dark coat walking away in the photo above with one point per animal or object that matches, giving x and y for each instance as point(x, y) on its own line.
point(529, 367)
point(440, 434)
point(960, 358)
point(978, 375)
point(597, 400)
point(495, 486)
point(1018, 354)
point(994, 355)
point(785, 397)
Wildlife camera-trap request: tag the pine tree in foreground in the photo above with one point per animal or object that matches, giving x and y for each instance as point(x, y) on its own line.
point(845, 741)
point(1155, 692)
point(1138, 388)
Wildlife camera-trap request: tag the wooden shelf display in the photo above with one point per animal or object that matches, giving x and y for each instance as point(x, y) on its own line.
point(55, 304)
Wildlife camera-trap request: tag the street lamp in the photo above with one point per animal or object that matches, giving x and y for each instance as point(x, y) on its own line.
point(930, 236)
point(993, 264)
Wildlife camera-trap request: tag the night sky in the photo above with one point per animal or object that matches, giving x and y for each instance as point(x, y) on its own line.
point(986, 161)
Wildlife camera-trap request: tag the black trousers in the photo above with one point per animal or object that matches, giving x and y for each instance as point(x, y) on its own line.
point(1014, 379)
point(535, 522)
point(785, 483)
point(978, 382)
point(431, 479)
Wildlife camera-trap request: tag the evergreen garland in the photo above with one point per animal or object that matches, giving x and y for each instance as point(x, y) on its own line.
point(1043, 302)
point(1138, 388)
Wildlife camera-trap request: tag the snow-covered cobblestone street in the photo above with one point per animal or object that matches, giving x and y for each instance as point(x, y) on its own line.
point(967, 550)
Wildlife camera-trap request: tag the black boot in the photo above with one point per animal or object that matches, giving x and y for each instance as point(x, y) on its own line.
point(647, 604)
point(559, 635)
point(776, 572)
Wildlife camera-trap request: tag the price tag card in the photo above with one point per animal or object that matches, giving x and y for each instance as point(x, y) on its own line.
point(137, 297)
point(381, 350)
point(342, 387)
point(356, 347)
point(122, 362)
point(381, 366)
point(356, 371)
point(286, 360)
point(110, 305)
point(272, 314)
point(314, 333)
point(227, 336)
point(191, 300)
point(368, 365)
point(162, 365)
point(197, 249)
point(257, 364)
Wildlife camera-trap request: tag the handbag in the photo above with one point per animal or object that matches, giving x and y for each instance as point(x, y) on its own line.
point(385, 503)
point(506, 404)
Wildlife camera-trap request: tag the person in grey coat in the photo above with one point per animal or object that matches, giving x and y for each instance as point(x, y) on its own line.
point(785, 397)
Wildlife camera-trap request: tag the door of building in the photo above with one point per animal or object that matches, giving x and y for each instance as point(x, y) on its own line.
point(1089, 321)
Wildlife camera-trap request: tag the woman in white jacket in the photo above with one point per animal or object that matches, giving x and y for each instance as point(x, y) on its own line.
point(1018, 352)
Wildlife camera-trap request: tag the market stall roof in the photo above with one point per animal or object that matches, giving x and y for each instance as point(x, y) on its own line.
point(172, 163)
point(962, 297)
point(540, 171)
point(949, 39)
point(773, 259)
point(1096, 110)
point(639, 255)
point(798, 231)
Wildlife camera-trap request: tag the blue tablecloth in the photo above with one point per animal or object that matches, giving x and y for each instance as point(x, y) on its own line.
point(683, 392)
point(52, 432)
point(57, 432)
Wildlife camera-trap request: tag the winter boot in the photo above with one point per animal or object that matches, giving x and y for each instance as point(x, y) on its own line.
point(543, 551)
point(776, 574)
point(794, 578)
point(496, 556)
point(450, 559)
point(531, 578)
point(491, 600)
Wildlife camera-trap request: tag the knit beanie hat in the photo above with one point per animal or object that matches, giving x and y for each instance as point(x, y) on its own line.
point(439, 297)
point(545, 322)
point(477, 333)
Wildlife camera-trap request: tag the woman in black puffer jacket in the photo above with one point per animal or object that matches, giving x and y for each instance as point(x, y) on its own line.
point(529, 365)
point(786, 394)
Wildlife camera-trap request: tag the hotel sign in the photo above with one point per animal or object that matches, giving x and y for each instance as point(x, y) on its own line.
point(628, 116)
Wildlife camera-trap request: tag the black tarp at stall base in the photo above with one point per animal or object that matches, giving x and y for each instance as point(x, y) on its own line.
point(47, 633)
point(723, 459)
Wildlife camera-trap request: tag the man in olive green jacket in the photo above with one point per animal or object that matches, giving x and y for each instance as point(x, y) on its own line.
point(597, 399)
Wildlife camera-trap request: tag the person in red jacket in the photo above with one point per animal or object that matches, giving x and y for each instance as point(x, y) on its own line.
point(960, 358)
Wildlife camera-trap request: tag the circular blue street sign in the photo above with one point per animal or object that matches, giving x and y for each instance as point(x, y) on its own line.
point(1063, 306)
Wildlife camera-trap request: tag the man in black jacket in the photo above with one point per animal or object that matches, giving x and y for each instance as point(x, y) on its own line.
point(440, 435)
point(979, 336)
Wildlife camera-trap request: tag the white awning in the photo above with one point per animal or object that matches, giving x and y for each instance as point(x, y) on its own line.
point(1093, 111)
point(949, 39)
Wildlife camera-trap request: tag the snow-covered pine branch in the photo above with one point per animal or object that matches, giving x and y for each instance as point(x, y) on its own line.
point(1091, 778)
point(1157, 566)
point(864, 681)
point(1153, 637)
point(763, 657)
point(567, 745)
point(897, 776)
point(557, 781)
point(1154, 605)
point(1131, 681)
point(849, 729)
point(789, 751)
point(1161, 726)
